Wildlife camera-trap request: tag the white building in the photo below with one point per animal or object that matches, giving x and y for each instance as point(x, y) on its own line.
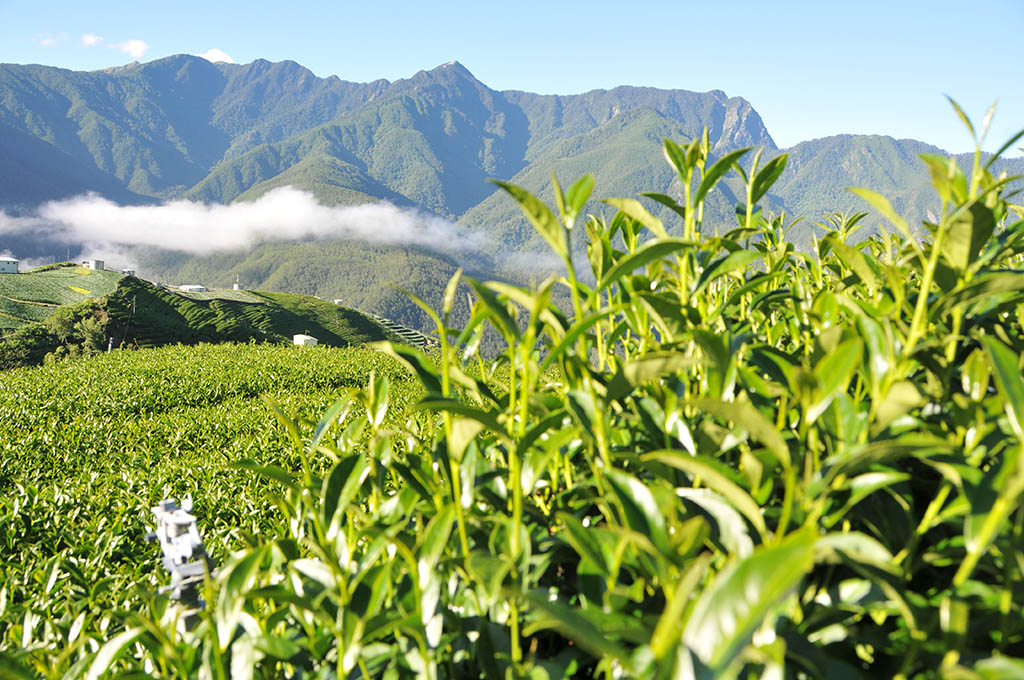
point(128, 272)
point(304, 340)
point(192, 288)
point(8, 265)
point(95, 265)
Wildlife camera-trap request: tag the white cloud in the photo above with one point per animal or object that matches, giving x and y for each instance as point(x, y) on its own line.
point(51, 40)
point(133, 48)
point(91, 39)
point(216, 55)
point(284, 214)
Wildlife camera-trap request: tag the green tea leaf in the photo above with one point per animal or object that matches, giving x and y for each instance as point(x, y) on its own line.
point(730, 263)
point(676, 157)
point(747, 417)
point(833, 375)
point(341, 486)
point(732, 530)
point(641, 511)
point(578, 194)
point(983, 287)
point(966, 235)
point(463, 431)
point(854, 261)
point(1005, 368)
point(1000, 668)
point(272, 472)
point(767, 176)
point(740, 597)
point(666, 201)
point(882, 205)
point(413, 359)
point(540, 216)
point(963, 117)
point(716, 172)
point(633, 209)
point(714, 480)
point(449, 292)
point(112, 651)
point(643, 256)
point(435, 538)
point(648, 368)
point(553, 615)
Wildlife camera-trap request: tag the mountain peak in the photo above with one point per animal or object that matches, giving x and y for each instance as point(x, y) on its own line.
point(451, 68)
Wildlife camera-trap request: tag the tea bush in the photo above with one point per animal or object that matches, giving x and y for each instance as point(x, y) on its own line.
point(728, 459)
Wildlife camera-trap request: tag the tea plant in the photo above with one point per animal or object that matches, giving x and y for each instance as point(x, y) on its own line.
point(725, 458)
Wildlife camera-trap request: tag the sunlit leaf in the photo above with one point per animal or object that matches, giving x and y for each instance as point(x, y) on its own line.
point(741, 595)
point(540, 216)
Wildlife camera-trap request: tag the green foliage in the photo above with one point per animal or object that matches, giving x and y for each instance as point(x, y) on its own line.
point(62, 285)
point(122, 431)
point(140, 314)
point(366, 277)
point(182, 127)
point(721, 458)
point(145, 315)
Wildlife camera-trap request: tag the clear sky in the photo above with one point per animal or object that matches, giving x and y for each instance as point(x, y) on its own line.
point(811, 69)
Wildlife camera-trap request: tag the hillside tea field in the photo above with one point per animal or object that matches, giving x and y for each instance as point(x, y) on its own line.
point(89, 446)
point(727, 459)
point(34, 296)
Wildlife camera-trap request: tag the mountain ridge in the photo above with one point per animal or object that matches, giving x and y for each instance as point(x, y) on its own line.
point(160, 128)
point(183, 127)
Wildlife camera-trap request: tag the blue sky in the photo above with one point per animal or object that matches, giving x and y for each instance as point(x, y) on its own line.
point(811, 69)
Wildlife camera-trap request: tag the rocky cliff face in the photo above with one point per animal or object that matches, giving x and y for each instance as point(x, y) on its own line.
point(742, 126)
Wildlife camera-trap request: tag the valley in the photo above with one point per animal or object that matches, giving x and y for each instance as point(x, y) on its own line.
point(182, 128)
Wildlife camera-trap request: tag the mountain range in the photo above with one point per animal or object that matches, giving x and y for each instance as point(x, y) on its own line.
point(183, 127)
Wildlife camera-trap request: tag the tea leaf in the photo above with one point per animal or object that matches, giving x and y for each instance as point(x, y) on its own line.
point(714, 480)
point(742, 595)
point(540, 216)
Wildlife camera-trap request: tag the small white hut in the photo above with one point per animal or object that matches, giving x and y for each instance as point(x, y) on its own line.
point(8, 265)
point(304, 340)
point(95, 265)
point(192, 288)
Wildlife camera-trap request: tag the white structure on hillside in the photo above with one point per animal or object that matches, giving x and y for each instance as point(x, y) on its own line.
point(238, 285)
point(192, 288)
point(304, 340)
point(95, 265)
point(8, 265)
point(338, 301)
point(128, 272)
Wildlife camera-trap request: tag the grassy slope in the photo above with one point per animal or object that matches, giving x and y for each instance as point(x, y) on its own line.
point(34, 295)
point(366, 277)
point(142, 314)
point(138, 313)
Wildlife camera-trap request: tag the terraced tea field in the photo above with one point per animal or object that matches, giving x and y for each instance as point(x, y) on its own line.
point(32, 296)
point(218, 294)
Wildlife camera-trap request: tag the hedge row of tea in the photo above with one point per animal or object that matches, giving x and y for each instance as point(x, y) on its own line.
point(729, 459)
point(89, 446)
point(135, 313)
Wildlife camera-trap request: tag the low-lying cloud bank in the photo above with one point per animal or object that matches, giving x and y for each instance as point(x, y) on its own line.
point(284, 214)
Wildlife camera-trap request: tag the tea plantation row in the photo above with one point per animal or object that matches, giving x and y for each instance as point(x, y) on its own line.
point(727, 459)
